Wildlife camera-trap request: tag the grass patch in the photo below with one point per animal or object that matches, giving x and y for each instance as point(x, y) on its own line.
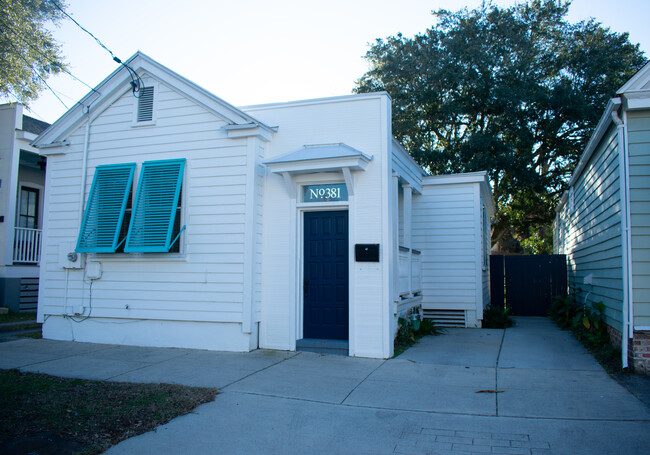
point(94, 414)
point(17, 317)
point(34, 335)
point(17, 327)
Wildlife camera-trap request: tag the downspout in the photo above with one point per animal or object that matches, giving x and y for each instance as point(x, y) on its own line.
point(82, 198)
point(84, 168)
point(625, 233)
point(628, 212)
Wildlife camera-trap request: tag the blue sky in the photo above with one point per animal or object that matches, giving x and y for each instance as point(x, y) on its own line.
point(260, 51)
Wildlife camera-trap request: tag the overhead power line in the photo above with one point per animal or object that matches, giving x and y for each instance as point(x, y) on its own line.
point(57, 6)
point(35, 71)
point(26, 107)
point(39, 52)
point(136, 82)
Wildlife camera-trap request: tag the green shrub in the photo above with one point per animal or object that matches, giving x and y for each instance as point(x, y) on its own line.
point(406, 336)
point(497, 318)
point(588, 325)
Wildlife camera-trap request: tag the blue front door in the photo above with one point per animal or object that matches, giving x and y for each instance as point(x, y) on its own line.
point(325, 289)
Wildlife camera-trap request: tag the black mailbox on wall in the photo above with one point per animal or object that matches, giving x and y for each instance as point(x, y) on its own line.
point(366, 252)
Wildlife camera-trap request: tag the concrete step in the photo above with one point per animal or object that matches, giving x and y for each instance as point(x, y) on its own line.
point(322, 346)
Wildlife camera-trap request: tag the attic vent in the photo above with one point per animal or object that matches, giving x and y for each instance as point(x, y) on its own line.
point(145, 105)
point(446, 318)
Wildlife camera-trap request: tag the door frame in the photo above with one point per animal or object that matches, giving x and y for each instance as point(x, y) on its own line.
point(296, 271)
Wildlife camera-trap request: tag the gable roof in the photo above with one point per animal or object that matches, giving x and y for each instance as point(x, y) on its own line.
point(634, 94)
point(639, 82)
point(118, 83)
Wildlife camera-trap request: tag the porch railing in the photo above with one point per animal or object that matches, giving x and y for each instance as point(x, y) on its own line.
point(409, 281)
point(416, 272)
point(27, 245)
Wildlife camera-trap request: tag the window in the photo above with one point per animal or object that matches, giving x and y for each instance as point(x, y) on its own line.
point(145, 105)
point(486, 236)
point(124, 230)
point(156, 207)
point(116, 221)
point(176, 246)
point(104, 213)
point(28, 210)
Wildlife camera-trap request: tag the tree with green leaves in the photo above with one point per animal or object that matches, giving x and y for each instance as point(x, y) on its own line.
point(28, 51)
point(515, 91)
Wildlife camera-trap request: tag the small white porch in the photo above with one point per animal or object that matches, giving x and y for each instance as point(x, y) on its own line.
point(407, 181)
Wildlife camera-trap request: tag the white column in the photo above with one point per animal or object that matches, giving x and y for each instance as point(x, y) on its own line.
point(12, 187)
point(395, 247)
point(408, 200)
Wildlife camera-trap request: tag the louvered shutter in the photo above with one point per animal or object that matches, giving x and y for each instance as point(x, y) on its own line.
point(109, 193)
point(154, 209)
point(145, 104)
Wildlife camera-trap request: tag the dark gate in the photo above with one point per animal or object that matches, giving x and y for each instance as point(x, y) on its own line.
point(527, 284)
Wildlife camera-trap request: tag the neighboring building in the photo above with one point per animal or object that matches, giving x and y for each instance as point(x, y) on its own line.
point(176, 219)
point(22, 184)
point(603, 221)
point(451, 225)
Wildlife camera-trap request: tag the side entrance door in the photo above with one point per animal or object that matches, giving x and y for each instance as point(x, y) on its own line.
point(325, 290)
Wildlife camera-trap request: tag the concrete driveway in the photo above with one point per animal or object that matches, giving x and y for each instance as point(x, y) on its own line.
point(531, 390)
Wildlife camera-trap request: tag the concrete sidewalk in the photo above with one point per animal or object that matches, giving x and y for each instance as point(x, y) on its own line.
point(531, 389)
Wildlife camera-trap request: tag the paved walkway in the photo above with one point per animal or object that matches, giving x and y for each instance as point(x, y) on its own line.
point(528, 390)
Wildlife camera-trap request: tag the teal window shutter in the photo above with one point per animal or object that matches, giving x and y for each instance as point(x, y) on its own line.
point(154, 208)
point(109, 193)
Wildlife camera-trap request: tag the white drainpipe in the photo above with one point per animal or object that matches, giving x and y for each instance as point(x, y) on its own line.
point(82, 197)
point(84, 168)
point(628, 212)
point(625, 235)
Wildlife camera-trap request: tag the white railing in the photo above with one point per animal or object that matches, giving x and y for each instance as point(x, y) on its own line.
point(403, 272)
point(416, 272)
point(27, 245)
point(409, 278)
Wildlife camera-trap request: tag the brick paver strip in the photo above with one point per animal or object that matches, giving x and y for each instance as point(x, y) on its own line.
point(493, 442)
point(511, 450)
point(445, 441)
point(470, 448)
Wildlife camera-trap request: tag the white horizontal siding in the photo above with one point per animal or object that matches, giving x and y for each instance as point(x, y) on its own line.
point(639, 149)
point(203, 282)
point(444, 229)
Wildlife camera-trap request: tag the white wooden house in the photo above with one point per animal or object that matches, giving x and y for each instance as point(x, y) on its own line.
point(22, 184)
point(603, 221)
point(176, 219)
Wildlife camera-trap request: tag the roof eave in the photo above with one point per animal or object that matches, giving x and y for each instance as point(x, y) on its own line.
point(599, 132)
point(109, 86)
